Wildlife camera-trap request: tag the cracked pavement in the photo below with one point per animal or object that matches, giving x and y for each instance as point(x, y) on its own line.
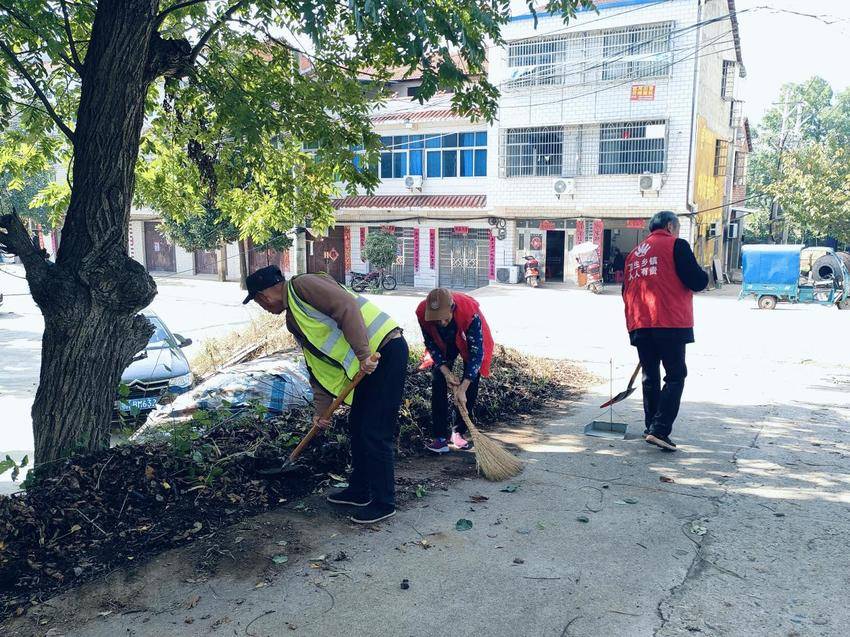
point(745, 531)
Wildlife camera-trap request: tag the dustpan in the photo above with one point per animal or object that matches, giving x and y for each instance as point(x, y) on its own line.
point(609, 428)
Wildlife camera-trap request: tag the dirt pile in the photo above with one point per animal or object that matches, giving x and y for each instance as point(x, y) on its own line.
point(122, 505)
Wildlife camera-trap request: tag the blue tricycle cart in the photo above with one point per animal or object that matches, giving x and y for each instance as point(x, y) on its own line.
point(796, 274)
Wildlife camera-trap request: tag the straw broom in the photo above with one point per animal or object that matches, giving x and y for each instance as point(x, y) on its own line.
point(493, 460)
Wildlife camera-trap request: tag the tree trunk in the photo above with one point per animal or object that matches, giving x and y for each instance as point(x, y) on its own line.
point(243, 264)
point(222, 261)
point(91, 296)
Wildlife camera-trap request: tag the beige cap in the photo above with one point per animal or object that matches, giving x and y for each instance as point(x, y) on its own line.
point(438, 305)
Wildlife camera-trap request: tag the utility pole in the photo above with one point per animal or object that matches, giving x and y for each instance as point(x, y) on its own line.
point(774, 207)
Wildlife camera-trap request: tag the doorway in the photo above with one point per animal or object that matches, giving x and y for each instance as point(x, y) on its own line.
point(159, 251)
point(555, 255)
point(206, 262)
point(326, 254)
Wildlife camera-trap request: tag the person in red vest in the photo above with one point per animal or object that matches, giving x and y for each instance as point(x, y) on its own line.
point(452, 325)
point(661, 277)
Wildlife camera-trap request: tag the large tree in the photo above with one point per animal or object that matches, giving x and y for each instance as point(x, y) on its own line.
point(83, 75)
point(799, 168)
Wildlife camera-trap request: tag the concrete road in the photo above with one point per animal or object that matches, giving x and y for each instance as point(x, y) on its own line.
point(747, 534)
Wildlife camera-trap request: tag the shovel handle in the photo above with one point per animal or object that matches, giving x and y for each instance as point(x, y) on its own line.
point(328, 413)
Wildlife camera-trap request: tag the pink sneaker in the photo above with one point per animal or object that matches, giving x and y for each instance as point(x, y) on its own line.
point(459, 441)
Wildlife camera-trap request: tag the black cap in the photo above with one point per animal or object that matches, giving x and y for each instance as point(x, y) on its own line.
point(262, 279)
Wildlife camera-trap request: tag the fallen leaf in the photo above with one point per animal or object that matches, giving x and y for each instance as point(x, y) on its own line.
point(666, 479)
point(518, 560)
point(282, 543)
point(193, 601)
point(463, 524)
point(280, 558)
point(583, 518)
point(630, 501)
point(149, 472)
point(104, 613)
point(165, 485)
point(511, 488)
point(476, 499)
point(75, 528)
point(336, 477)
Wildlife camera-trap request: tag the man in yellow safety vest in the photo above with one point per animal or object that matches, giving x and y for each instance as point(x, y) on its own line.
point(339, 332)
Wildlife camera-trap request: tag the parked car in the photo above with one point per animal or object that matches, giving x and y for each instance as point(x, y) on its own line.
point(159, 369)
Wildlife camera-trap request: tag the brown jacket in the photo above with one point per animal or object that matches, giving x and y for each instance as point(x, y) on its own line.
point(332, 300)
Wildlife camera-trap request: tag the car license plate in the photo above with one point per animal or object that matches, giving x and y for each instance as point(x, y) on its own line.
point(142, 404)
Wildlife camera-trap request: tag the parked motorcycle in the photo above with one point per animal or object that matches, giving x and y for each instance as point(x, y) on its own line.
point(587, 259)
point(375, 279)
point(532, 271)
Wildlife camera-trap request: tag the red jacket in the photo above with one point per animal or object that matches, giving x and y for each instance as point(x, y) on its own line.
point(466, 308)
point(654, 294)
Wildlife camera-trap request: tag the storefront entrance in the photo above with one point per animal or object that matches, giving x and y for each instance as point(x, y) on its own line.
point(555, 255)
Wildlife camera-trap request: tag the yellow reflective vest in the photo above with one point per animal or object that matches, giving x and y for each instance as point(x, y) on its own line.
point(331, 359)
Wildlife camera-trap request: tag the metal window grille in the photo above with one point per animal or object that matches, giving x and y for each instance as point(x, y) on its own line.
point(580, 58)
point(632, 148)
point(740, 174)
point(721, 157)
point(727, 89)
point(547, 151)
point(637, 52)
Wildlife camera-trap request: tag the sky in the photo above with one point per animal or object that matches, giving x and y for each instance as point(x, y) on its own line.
point(779, 47)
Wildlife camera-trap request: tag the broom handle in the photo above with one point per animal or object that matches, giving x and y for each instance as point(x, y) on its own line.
point(465, 415)
point(328, 413)
point(634, 375)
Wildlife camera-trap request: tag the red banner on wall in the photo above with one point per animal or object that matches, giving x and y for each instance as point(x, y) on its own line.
point(461, 229)
point(597, 236)
point(432, 241)
point(580, 231)
point(388, 229)
point(492, 257)
point(346, 248)
point(547, 225)
point(416, 249)
point(362, 242)
point(636, 224)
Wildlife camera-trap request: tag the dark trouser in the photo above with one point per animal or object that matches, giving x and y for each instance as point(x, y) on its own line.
point(440, 403)
point(661, 406)
point(373, 424)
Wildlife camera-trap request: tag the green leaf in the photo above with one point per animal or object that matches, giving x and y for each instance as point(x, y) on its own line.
point(25, 462)
point(7, 464)
point(421, 491)
point(463, 524)
point(123, 390)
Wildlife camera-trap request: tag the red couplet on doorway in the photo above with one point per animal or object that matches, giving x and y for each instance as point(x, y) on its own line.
point(547, 225)
point(461, 229)
point(635, 224)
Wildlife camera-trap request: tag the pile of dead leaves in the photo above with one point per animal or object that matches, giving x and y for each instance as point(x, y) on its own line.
point(122, 505)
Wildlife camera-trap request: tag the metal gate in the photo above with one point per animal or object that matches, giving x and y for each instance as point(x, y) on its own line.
point(464, 259)
point(402, 269)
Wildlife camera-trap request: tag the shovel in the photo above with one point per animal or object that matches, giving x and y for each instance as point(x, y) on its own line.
point(287, 464)
point(625, 393)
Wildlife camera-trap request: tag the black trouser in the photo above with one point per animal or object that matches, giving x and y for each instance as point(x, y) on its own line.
point(661, 406)
point(373, 424)
point(440, 403)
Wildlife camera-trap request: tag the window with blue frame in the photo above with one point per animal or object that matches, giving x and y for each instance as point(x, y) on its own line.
point(435, 155)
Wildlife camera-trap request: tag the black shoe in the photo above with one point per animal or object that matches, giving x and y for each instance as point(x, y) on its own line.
point(663, 442)
point(350, 497)
point(373, 513)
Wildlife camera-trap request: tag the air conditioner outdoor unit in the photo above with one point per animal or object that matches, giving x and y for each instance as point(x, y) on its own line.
point(649, 182)
point(413, 182)
point(564, 187)
point(732, 231)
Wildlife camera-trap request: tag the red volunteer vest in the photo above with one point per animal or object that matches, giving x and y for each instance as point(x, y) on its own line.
point(654, 294)
point(466, 308)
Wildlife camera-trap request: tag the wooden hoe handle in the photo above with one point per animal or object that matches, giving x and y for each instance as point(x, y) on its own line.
point(328, 413)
